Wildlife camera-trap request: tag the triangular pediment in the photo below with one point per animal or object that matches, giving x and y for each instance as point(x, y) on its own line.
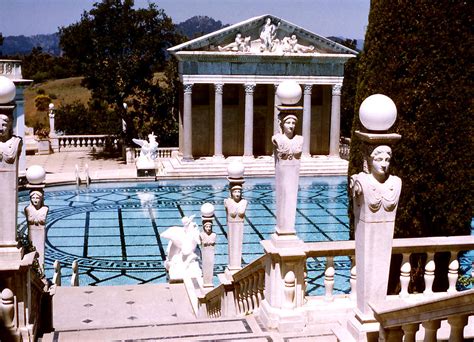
point(279, 37)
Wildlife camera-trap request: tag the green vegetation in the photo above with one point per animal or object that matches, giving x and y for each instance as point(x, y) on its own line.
point(420, 54)
point(118, 49)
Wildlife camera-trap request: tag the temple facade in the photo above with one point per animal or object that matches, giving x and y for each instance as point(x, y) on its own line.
point(229, 78)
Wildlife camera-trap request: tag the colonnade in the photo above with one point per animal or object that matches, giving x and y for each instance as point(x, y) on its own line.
point(249, 120)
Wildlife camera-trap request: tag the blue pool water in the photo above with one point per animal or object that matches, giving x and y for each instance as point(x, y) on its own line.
point(113, 229)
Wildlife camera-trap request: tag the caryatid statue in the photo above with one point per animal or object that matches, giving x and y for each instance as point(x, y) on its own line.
point(10, 149)
point(235, 207)
point(375, 196)
point(208, 242)
point(287, 150)
point(36, 212)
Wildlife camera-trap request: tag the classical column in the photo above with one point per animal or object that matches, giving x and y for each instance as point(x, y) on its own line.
point(188, 122)
point(248, 129)
point(335, 120)
point(307, 120)
point(19, 126)
point(219, 88)
point(276, 111)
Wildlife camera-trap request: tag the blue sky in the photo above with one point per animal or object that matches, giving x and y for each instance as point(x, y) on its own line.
point(347, 18)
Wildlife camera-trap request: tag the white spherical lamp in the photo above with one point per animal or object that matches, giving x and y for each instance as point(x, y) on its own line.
point(207, 210)
point(289, 92)
point(7, 90)
point(35, 174)
point(378, 112)
point(235, 170)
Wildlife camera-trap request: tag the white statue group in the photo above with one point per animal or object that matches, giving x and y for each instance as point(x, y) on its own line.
point(267, 42)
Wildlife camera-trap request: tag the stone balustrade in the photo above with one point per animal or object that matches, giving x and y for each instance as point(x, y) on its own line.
point(162, 152)
point(11, 69)
point(247, 285)
point(70, 143)
point(344, 147)
point(400, 320)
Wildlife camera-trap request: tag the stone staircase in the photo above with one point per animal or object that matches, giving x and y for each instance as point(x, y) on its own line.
point(156, 312)
point(254, 167)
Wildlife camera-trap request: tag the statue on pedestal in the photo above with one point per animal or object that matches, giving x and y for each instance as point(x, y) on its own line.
point(288, 148)
point(10, 145)
point(208, 242)
point(181, 259)
point(235, 208)
point(36, 213)
point(148, 152)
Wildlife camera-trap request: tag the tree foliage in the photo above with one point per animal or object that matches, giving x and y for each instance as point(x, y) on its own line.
point(118, 49)
point(419, 53)
point(40, 66)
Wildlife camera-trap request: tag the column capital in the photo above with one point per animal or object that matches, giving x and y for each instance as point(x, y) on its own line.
point(336, 89)
point(307, 89)
point(249, 88)
point(188, 87)
point(219, 88)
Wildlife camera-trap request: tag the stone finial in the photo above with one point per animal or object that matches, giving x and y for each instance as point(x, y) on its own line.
point(35, 174)
point(289, 92)
point(8, 308)
point(75, 273)
point(378, 113)
point(57, 273)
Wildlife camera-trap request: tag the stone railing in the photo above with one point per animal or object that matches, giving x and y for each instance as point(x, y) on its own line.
point(344, 147)
point(70, 143)
point(162, 152)
point(10, 68)
point(400, 320)
point(237, 297)
point(244, 293)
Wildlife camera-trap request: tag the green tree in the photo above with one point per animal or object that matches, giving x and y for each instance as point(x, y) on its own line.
point(420, 54)
point(118, 49)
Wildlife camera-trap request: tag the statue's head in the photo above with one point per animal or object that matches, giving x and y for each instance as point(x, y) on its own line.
point(269, 20)
point(5, 126)
point(187, 221)
point(207, 227)
point(380, 161)
point(152, 137)
point(36, 198)
point(288, 124)
point(236, 192)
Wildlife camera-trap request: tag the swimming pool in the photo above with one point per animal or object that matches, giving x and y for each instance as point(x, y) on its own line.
point(113, 229)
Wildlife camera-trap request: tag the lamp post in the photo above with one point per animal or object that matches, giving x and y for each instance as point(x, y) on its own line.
point(375, 195)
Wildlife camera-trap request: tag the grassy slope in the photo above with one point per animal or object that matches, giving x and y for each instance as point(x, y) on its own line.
point(66, 90)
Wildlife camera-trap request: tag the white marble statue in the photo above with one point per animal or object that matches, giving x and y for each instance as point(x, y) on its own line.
point(208, 242)
point(267, 36)
point(379, 189)
point(290, 44)
point(288, 148)
point(36, 213)
point(240, 44)
point(235, 208)
point(148, 152)
point(181, 259)
point(10, 145)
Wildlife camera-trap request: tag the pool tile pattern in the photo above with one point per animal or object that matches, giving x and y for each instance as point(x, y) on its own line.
point(113, 230)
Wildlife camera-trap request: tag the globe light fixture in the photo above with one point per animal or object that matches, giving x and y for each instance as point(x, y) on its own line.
point(7, 90)
point(378, 113)
point(35, 174)
point(207, 210)
point(235, 170)
point(289, 92)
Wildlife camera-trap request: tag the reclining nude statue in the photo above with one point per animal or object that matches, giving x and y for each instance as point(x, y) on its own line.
point(181, 259)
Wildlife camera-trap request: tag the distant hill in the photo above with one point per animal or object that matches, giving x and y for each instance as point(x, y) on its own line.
point(22, 45)
point(199, 25)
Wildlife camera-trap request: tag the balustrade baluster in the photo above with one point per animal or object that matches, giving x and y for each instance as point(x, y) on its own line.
point(255, 300)
point(457, 324)
point(57, 273)
point(246, 295)
point(8, 308)
point(353, 280)
point(409, 331)
point(394, 334)
point(289, 291)
point(75, 274)
point(431, 328)
point(405, 275)
point(329, 279)
point(429, 273)
point(239, 297)
point(453, 273)
point(261, 285)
